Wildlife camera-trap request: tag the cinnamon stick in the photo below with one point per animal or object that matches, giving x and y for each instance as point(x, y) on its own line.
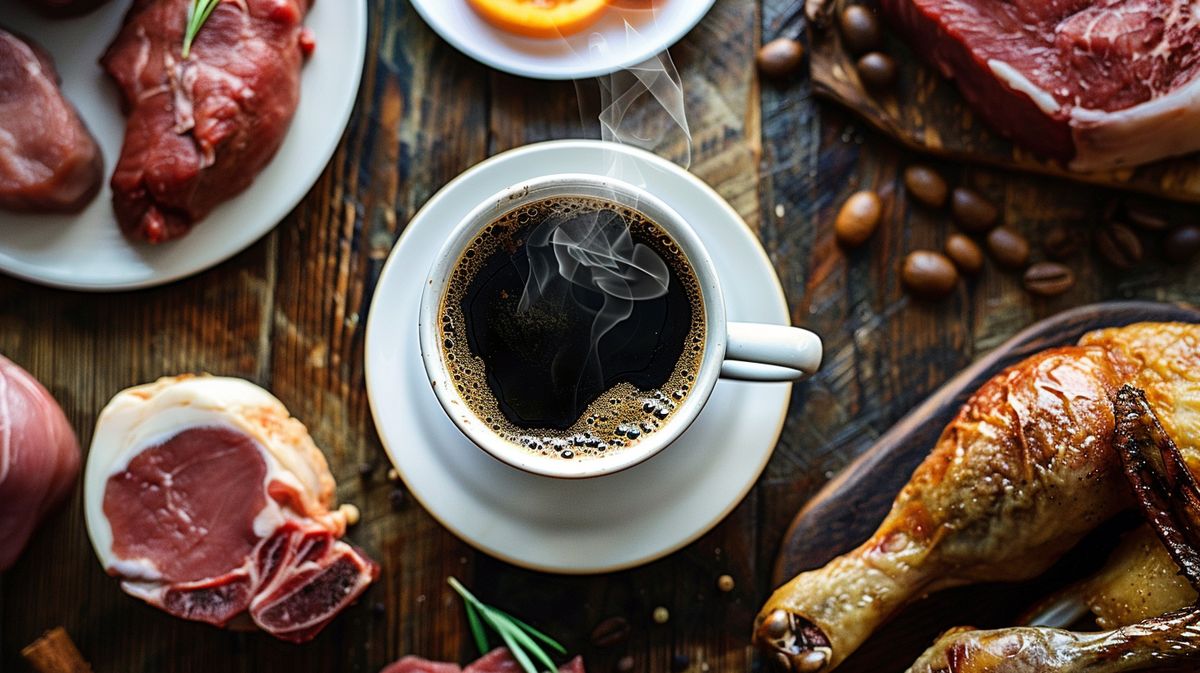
point(55, 653)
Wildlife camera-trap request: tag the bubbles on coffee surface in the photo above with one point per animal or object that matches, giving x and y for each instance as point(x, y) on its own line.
point(573, 327)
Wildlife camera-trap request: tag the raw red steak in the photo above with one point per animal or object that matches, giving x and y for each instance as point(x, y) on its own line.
point(209, 501)
point(499, 660)
point(39, 458)
point(200, 129)
point(49, 162)
point(1094, 84)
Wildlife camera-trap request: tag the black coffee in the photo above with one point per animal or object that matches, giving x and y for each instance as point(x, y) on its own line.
point(573, 326)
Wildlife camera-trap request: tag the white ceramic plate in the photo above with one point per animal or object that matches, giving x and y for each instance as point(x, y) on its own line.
point(574, 526)
point(87, 251)
point(628, 37)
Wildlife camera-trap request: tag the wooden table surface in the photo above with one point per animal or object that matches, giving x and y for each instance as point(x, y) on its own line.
point(289, 313)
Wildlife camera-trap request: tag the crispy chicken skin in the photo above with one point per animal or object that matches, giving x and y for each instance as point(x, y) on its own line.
point(1021, 474)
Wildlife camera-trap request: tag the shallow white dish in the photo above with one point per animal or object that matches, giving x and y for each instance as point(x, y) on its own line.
point(574, 526)
point(628, 36)
point(87, 251)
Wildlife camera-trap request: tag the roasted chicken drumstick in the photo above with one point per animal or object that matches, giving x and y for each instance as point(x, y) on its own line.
point(1170, 499)
point(1021, 474)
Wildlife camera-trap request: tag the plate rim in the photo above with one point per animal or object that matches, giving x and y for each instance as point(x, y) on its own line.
point(703, 8)
point(777, 295)
point(309, 178)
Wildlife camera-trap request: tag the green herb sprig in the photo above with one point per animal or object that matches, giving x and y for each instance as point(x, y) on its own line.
point(198, 13)
point(520, 638)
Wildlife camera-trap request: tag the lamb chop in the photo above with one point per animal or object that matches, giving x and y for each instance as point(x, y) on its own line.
point(200, 128)
point(1021, 474)
point(1169, 496)
point(49, 162)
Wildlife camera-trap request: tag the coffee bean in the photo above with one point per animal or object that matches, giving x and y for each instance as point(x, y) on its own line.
point(858, 218)
point(1182, 243)
point(1145, 219)
point(925, 185)
point(971, 211)
point(1008, 247)
point(965, 254)
point(860, 29)
point(625, 664)
point(1048, 279)
point(680, 663)
point(610, 632)
point(780, 58)
point(1061, 242)
point(877, 71)
point(397, 498)
point(1119, 245)
point(929, 273)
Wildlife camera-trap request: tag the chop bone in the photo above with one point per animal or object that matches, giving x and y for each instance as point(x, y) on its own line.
point(796, 644)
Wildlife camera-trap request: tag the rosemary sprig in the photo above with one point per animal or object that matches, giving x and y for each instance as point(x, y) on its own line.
point(520, 638)
point(198, 13)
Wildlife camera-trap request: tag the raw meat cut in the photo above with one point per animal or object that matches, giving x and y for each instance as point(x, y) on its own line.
point(209, 500)
point(39, 458)
point(49, 162)
point(499, 660)
point(1094, 84)
point(201, 128)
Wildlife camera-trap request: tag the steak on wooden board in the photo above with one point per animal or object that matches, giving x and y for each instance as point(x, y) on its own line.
point(49, 162)
point(209, 501)
point(201, 128)
point(39, 458)
point(1094, 84)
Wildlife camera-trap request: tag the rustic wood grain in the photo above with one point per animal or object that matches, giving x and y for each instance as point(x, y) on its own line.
point(289, 313)
point(927, 114)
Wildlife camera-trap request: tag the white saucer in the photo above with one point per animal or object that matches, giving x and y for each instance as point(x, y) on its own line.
point(87, 251)
point(576, 526)
point(630, 37)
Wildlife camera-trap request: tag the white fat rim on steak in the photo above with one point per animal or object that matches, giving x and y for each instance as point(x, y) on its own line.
point(1162, 127)
point(145, 416)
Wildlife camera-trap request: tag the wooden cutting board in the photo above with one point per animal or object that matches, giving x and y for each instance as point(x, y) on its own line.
point(850, 507)
point(927, 114)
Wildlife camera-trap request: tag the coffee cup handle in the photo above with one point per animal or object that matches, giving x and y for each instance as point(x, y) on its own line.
point(760, 352)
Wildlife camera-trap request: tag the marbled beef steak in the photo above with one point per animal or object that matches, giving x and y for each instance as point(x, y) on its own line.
point(1095, 84)
point(201, 128)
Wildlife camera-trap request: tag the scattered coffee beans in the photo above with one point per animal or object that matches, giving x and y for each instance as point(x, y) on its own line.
point(1048, 279)
point(965, 254)
point(860, 29)
point(928, 273)
point(971, 211)
point(858, 218)
point(925, 185)
point(780, 58)
point(877, 71)
point(610, 632)
point(1182, 244)
point(1061, 242)
point(1008, 247)
point(1119, 245)
point(1145, 219)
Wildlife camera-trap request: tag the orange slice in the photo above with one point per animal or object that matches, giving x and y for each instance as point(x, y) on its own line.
point(540, 18)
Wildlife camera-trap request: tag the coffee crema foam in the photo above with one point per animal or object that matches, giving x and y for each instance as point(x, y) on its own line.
point(623, 415)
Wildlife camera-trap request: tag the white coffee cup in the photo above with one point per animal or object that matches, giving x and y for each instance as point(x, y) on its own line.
point(732, 350)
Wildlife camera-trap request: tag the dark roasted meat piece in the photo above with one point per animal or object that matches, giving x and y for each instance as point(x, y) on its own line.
point(49, 162)
point(200, 129)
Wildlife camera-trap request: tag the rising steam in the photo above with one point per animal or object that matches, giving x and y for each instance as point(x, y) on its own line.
point(593, 251)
